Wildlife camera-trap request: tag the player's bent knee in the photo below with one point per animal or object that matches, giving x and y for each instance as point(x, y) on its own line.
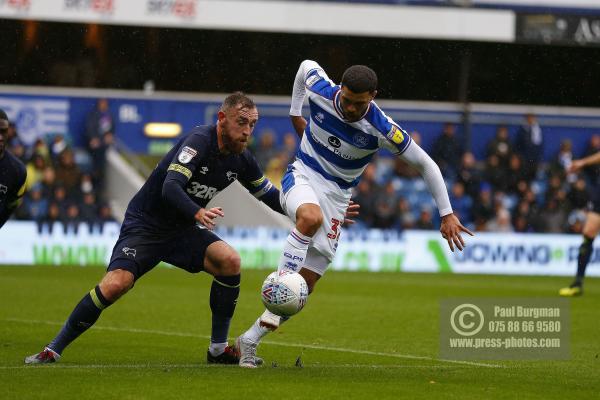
point(310, 220)
point(116, 283)
point(230, 264)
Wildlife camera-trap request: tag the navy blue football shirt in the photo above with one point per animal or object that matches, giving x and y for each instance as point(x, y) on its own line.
point(195, 165)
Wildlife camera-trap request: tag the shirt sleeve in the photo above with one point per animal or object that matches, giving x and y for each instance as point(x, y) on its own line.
point(187, 158)
point(430, 172)
point(308, 75)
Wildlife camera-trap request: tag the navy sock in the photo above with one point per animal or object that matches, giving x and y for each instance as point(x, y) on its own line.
point(585, 252)
point(84, 315)
point(224, 293)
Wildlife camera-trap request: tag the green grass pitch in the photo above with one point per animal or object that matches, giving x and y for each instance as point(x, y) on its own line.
point(362, 336)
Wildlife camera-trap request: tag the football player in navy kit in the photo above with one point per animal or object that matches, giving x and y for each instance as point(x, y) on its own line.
point(12, 175)
point(167, 220)
point(591, 228)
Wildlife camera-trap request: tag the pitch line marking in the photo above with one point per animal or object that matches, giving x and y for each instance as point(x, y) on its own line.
point(307, 346)
point(196, 366)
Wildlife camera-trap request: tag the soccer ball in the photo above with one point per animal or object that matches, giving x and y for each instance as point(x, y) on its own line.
point(284, 293)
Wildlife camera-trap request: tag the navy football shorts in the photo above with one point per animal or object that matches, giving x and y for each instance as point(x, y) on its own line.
point(138, 251)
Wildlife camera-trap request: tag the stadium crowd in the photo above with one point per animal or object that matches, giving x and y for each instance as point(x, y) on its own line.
point(65, 184)
point(511, 189)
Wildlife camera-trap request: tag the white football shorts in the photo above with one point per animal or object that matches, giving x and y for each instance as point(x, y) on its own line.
point(301, 185)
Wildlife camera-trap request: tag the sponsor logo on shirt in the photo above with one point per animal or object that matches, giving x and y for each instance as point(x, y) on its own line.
point(186, 155)
point(335, 142)
point(320, 117)
point(203, 170)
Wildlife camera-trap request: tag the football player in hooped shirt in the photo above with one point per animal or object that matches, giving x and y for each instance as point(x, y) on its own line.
point(167, 220)
point(345, 130)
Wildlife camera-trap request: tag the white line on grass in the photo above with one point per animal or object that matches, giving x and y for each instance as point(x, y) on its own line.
point(300, 345)
point(199, 366)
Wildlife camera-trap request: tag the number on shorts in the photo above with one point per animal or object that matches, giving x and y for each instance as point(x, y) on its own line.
point(335, 232)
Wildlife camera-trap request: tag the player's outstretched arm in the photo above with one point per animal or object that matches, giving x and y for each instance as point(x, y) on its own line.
point(578, 165)
point(451, 226)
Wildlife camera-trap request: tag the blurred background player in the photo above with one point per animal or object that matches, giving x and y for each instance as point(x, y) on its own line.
point(13, 175)
point(167, 221)
point(345, 131)
point(590, 228)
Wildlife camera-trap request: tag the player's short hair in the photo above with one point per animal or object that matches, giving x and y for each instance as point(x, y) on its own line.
point(360, 79)
point(3, 115)
point(235, 99)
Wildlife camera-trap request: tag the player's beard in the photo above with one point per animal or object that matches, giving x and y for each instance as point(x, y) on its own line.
point(232, 145)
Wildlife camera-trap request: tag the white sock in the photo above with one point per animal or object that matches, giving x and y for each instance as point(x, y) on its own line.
point(256, 332)
point(217, 348)
point(294, 251)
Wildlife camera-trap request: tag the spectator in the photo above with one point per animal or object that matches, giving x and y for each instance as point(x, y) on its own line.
point(563, 161)
point(425, 221)
point(266, 150)
point(18, 150)
point(495, 173)
point(290, 147)
point(276, 168)
point(40, 148)
point(48, 182)
point(483, 210)
point(406, 219)
point(385, 207)
point(364, 195)
point(57, 147)
point(500, 146)
point(461, 203)
point(469, 175)
point(67, 172)
point(553, 218)
point(578, 195)
point(501, 223)
point(105, 214)
point(447, 151)
point(88, 211)
point(35, 205)
point(530, 142)
point(87, 185)
point(516, 180)
point(99, 134)
point(35, 171)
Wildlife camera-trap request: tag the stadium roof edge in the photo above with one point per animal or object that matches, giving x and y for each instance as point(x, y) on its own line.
point(355, 19)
